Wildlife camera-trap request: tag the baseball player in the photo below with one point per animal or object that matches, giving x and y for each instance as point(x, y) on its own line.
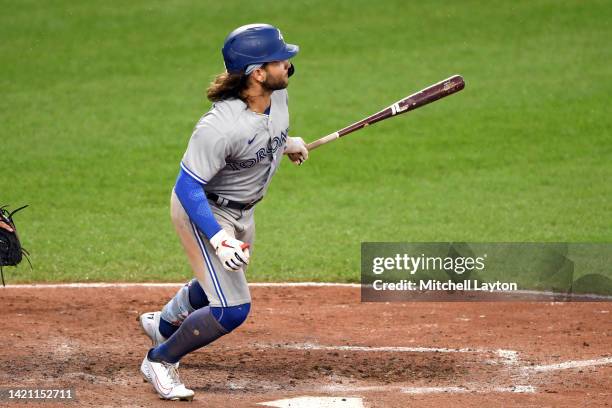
point(234, 151)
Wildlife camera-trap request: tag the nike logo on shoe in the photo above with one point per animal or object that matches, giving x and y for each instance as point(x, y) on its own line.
point(251, 141)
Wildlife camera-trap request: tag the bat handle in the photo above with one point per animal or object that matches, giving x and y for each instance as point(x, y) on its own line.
point(319, 142)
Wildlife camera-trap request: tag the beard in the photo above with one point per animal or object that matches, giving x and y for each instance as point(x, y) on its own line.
point(274, 84)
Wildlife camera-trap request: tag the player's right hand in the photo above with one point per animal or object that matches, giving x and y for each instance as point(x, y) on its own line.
point(296, 149)
point(233, 253)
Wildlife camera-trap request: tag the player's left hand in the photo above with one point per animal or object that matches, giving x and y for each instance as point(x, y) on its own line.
point(233, 253)
point(296, 150)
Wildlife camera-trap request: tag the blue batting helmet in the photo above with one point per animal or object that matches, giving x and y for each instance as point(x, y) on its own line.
point(255, 44)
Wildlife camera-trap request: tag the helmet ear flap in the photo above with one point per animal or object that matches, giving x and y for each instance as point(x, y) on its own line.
point(291, 69)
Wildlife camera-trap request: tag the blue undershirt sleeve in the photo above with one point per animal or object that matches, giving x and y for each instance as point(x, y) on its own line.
point(190, 193)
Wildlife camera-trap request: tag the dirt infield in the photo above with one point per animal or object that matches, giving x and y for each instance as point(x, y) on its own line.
point(315, 341)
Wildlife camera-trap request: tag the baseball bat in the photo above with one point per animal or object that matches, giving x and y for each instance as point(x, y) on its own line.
point(430, 94)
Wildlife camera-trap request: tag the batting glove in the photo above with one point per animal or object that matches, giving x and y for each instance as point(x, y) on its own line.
point(296, 150)
point(233, 253)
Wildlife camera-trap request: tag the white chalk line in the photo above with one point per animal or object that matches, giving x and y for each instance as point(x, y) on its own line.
point(521, 389)
point(568, 365)
point(170, 285)
point(474, 388)
point(557, 296)
point(507, 356)
point(534, 293)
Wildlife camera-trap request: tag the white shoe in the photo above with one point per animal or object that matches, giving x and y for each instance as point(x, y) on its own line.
point(165, 379)
point(150, 325)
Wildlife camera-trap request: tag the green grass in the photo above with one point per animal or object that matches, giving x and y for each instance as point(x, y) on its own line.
point(99, 99)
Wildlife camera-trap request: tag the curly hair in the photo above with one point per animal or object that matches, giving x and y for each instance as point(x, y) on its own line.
point(226, 86)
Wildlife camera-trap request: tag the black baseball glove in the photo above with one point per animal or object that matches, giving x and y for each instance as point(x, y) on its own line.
point(11, 252)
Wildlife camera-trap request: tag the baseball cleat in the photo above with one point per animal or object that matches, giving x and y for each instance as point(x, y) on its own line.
point(150, 325)
point(165, 379)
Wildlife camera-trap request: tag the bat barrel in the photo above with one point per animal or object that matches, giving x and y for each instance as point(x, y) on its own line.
point(430, 94)
point(414, 101)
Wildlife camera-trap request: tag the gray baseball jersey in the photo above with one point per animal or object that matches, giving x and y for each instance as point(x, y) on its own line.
point(235, 151)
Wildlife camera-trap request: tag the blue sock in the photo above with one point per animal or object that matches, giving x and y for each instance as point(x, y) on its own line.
point(200, 328)
point(167, 329)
